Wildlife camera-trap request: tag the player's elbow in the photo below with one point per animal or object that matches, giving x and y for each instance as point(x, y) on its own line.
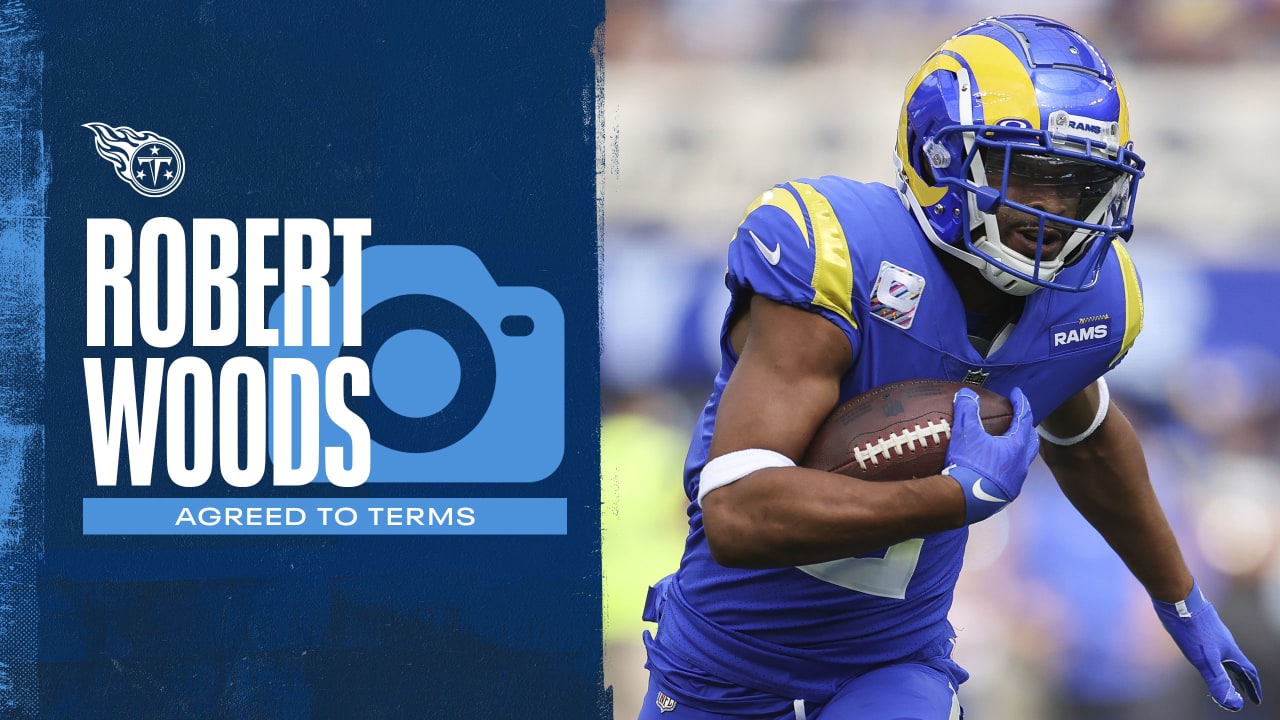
point(730, 536)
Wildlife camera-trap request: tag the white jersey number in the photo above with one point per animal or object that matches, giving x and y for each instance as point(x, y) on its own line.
point(886, 577)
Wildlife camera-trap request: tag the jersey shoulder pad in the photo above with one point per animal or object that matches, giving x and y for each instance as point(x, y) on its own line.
point(792, 248)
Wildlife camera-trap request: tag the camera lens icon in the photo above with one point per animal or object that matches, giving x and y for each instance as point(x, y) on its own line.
point(467, 377)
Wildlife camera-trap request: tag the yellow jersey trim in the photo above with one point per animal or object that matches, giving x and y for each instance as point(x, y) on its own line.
point(1132, 300)
point(784, 201)
point(832, 266)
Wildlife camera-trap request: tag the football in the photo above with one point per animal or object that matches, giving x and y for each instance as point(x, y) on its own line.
point(898, 431)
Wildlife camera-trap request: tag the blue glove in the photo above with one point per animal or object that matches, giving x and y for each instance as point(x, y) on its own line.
point(1207, 643)
point(989, 468)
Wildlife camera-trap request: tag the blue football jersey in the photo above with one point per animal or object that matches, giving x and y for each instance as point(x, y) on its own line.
point(853, 253)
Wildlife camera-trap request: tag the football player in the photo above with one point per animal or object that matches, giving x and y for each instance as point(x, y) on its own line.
point(999, 259)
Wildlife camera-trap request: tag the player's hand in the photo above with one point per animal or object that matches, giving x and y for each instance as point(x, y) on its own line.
point(989, 468)
point(1208, 644)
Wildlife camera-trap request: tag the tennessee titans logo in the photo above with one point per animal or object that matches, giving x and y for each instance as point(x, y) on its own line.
point(151, 164)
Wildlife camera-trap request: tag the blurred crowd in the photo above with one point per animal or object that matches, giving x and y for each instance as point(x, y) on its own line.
point(797, 31)
point(1050, 624)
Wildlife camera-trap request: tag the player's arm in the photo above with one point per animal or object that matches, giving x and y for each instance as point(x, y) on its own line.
point(786, 381)
point(1105, 476)
point(1097, 459)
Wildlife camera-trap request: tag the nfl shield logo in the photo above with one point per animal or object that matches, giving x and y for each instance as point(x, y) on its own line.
point(665, 703)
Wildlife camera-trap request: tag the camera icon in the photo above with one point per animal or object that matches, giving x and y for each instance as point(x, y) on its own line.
point(467, 377)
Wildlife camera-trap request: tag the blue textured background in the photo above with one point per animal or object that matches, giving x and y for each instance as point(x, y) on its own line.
point(459, 123)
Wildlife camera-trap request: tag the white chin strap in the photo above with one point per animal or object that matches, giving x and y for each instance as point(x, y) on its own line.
point(1009, 284)
point(1006, 281)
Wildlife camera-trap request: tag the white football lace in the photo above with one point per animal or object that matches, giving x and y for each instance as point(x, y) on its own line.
point(908, 439)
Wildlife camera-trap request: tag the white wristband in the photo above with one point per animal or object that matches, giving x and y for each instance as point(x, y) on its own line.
point(734, 466)
point(1104, 402)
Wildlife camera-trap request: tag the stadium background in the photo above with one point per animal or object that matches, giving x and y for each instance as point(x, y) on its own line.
point(708, 102)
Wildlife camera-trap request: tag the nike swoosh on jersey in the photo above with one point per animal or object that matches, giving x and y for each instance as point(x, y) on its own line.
point(981, 494)
point(774, 255)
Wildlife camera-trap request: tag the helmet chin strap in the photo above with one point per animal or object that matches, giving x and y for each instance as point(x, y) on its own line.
point(1003, 281)
point(1006, 281)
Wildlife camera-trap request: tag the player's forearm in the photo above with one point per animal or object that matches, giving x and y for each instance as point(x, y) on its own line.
point(1106, 478)
point(796, 516)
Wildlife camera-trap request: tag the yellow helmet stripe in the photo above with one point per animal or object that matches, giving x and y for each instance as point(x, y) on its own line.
point(832, 266)
point(1132, 300)
point(927, 194)
point(1000, 80)
point(1124, 116)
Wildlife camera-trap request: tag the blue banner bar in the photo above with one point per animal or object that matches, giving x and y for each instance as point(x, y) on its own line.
point(315, 516)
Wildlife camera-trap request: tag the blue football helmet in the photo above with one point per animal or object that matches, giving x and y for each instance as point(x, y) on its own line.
point(1028, 99)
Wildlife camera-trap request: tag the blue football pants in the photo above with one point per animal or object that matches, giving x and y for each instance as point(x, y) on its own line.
point(907, 691)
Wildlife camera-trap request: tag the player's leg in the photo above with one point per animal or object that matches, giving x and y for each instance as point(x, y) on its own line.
point(909, 691)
